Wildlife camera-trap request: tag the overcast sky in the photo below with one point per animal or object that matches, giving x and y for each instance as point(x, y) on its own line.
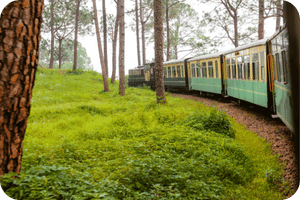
point(90, 43)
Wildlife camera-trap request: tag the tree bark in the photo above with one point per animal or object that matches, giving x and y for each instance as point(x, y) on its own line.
point(76, 35)
point(52, 36)
point(20, 26)
point(59, 55)
point(121, 49)
point(168, 30)
point(278, 14)
point(137, 32)
point(105, 35)
point(159, 58)
point(261, 7)
point(143, 32)
point(236, 33)
point(104, 74)
point(113, 75)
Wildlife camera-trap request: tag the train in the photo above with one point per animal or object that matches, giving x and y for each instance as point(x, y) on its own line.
point(264, 73)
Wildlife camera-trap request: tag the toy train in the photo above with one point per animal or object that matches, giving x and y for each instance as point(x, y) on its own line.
point(259, 73)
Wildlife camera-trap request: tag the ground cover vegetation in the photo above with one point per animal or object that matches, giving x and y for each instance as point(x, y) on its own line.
point(84, 143)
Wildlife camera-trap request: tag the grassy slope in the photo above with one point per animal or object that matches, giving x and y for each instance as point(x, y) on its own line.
point(82, 143)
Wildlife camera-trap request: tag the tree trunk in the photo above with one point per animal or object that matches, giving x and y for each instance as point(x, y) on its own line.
point(20, 26)
point(113, 75)
point(261, 22)
point(52, 36)
point(104, 74)
point(278, 14)
point(159, 57)
point(137, 32)
point(105, 36)
point(121, 50)
point(59, 54)
point(168, 30)
point(236, 33)
point(143, 32)
point(76, 35)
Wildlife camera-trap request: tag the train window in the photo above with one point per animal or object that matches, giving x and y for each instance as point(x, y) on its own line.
point(204, 70)
point(210, 69)
point(142, 73)
point(169, 72)
point(233, 64)
point(240, 63)
point(278, 67)
point(165, 72)
point(262, 65)
point(182, 71)
point(178, 71)
point(255, 66)
point(193, 69)
point(198, 71)
point(284, 65)
point(217, 69)
point(247, 67)
point(228, 67)
point(173, 72)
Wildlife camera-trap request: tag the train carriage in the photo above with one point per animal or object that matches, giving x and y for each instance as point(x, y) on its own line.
point(175, 74)
point(150, 75)
point(245, 73)
point(136, 76)
point(205, 73)
point(280, 91)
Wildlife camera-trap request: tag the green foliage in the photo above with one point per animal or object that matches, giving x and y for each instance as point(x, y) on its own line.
point(214, 121)
point(82, 143)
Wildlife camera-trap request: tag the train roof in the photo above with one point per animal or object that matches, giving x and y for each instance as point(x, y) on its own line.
point(247, 46)
point(206, 56)
point(173, 61)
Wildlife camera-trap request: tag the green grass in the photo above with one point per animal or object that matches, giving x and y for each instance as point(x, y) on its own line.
point(83, 143)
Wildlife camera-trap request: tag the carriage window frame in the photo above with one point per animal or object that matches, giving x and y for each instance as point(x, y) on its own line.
point(262, 66)
point(240, 61)
point(217, 69)
point(178, 71)
point(169, 72)
point(204, 70)
point(255, 66)
point(210, 69)
point(182, 71)
point(198, 70)
point(247, 67)
point(228, 68)
point(193, 70)
point(165, 72)
point(173, 71)
point(233, 65)
point(278, 67)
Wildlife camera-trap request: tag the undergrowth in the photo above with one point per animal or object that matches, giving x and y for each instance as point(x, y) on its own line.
point(83, 143)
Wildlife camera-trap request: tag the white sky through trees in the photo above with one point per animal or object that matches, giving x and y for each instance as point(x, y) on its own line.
point(90, 42)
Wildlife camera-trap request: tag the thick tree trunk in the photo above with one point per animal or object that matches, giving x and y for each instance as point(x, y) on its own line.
point(168, 30)
point(20, 26)
point(137, 33)
point(121, 50)
point(261, 7)
point(76, 35)
point(114, 61)
point(59, 54)
point(104, 74)
point(278, 14)
point(52, 36)
point(159, 58)
point(113, 76)
point(143, 32)
point(105, 36)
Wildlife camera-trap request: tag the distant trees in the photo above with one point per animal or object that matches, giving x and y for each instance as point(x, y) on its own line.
point(59, 21)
